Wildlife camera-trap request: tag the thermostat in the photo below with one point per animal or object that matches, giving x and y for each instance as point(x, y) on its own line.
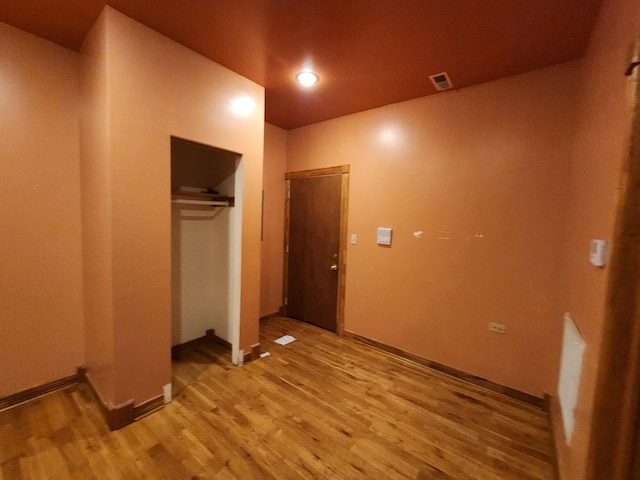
point(384, 236)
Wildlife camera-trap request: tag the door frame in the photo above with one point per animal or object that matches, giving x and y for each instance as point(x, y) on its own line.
point(235, 246)
point(344, 171)
point(617, 395)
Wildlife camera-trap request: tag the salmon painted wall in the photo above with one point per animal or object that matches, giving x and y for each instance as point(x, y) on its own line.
point(601, 143)
point(159, 88)
point(96, 210)
point(275, 166)
point(40, 271)
point(482, 173)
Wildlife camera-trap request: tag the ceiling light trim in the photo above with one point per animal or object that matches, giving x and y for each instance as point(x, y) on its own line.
point(307, 78)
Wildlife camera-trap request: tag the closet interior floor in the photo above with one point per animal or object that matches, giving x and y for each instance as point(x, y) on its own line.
point(188, 366)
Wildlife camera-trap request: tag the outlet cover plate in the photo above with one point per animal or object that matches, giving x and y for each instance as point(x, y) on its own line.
point(497, 328)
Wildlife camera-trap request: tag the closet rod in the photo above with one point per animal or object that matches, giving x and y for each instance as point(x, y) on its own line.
point(210, 203)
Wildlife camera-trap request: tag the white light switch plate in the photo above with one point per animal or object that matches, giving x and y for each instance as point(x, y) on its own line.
point(384, 236)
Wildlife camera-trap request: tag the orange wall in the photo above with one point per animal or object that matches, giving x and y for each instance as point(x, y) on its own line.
point(96, 210)
point(483, 173)
point(275, 166)
point(601, 142)
point(158, 88)
point(40, 271)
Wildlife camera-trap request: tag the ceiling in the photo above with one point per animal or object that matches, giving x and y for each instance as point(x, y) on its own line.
point(368, 53)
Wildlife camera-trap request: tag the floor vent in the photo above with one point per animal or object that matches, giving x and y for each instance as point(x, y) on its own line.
point(441, 81)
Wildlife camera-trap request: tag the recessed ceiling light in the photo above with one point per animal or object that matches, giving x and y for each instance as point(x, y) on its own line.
point(307, 79)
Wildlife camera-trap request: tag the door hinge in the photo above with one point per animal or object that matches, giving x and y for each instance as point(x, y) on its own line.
point(288, 193)
point(286, 248)
point(286, 300)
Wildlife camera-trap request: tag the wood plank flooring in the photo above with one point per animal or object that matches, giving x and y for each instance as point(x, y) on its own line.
point(187, 367)
point(321, 407)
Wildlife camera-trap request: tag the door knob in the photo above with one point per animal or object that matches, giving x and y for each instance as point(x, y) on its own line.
point(334, 267)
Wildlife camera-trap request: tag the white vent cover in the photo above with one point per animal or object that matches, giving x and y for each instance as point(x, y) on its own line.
point(441, 81)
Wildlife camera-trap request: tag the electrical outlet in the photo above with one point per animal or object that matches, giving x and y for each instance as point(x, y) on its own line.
point(497, 328)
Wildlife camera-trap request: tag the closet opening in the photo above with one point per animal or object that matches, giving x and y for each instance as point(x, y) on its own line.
point(206, 234)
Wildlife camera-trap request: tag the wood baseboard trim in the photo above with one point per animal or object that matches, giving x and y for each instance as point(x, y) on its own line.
point(255, 351)
point(176, 350)
point(459, 374)
point(32, 393)
point(271, 315)
point(150, 406)
point(254, 354)
point(121, 415)
point(116, 416)
point(209, 337)
point(211, 334)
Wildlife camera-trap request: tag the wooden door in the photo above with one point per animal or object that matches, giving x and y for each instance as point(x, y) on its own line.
point(314, 249)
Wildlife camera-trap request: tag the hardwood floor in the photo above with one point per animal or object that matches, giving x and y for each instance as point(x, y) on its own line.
point(321, 407)
point(187, 367)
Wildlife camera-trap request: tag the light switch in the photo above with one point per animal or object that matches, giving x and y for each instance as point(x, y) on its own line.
point(384, 236)
point(354, 238)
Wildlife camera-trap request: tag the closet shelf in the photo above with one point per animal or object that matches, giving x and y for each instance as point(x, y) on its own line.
point(202, 199)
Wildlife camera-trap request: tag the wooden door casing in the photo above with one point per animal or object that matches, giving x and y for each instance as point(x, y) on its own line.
point(315, 246)
point(616, 410)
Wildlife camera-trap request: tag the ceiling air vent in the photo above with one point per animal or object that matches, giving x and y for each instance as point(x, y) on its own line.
point(441, 81)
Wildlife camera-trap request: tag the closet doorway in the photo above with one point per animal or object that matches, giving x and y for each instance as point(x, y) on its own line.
point(206, 219)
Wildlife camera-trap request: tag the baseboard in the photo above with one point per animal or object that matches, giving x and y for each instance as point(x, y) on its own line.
point(176, 350)
point(120, 415)
point(271, 315)
point(145, 408)
point(459, 374)
point(556, 428)
point(35, 392)
point(254, 354)
point(209, 337)
point(116, 416)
